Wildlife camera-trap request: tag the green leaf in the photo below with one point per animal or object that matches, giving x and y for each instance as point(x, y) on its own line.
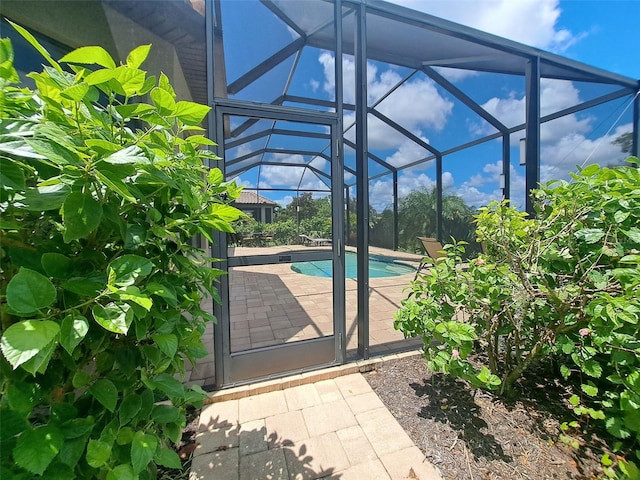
point(11, 175)
point(76, 92)
point(48, 197)
point(167, 343)
point(138, 55)
point(132, 154)
point(134, 109)
point(620, 216)
point(215, 176)
point(143, 448)
point(633, 234)
point(616, 427)
point(99, 77)
point(191, 113)
point(574, 400)
point(122, 472)
point(589, 389)
point(169, 385)
point(129, 408)
point(168, 458)
point(165, 414)
point(77, 427)
point(81, 379)
point(24, 340)
point(488, 378)
point(39, 363)
point(164, 102)
point(98, 453)
point(7, 70)
point(132, 294)
point(72, 450)
point(130, 79)
point(129, 268)
point(20, 148)
point(21, 397)
point(590, 170)
point(35, 449)
point(73, 329)
point(92, 55)
point(227, 213)
point(633, 259)
point(106, 393)
point(589, 235)
point(135, 236)
point(81, 215)
point(201, 140)
point(115, 184)
point(165, 291)
point(114, 317)
point(55, 265)
point(629, 469)
point(35, 44)
point(565, 371)
point(592, 368)
point(165, 85)
point(28, 291)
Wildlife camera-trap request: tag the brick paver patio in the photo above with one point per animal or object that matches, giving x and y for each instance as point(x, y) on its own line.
point(331, 429)
point(272, 304)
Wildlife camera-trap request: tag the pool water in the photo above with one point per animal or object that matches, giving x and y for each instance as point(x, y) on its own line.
point(378, 267)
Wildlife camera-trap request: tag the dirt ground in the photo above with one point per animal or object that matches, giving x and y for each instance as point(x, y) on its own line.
point(471, 435)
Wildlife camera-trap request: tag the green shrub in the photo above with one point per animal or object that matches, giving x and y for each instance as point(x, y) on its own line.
point(566, 282)
point(101, 289)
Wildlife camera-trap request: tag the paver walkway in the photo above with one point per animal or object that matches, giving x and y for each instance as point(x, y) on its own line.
point(330, 429)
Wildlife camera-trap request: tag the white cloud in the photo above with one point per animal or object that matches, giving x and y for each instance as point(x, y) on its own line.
point(416, 105)
point(532, 22)
point(562, 157)
point(407, 152)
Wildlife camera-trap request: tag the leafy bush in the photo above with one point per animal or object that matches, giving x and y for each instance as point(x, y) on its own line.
point(101, 288)
point(566, 282)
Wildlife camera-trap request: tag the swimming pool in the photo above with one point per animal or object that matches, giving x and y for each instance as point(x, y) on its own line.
point(378, 267)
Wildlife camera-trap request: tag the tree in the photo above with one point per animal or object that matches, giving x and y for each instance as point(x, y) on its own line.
point(417, 217)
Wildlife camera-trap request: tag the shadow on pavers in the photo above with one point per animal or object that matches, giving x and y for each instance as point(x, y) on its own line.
point(237, 452)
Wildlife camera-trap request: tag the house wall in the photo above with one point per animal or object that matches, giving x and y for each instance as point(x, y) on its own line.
point(82, 23)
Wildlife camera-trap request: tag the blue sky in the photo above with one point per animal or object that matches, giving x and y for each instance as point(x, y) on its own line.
point(608, 33)
point(597, 32)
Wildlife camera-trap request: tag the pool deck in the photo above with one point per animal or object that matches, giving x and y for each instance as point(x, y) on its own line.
point(272, 305)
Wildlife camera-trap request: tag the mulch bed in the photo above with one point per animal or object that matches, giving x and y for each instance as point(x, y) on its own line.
point(471, 434)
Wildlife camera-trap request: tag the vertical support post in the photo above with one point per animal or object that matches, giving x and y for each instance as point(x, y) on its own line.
point(337, 185)
point(635, 141)
point(532, 129)
point(395, 210)
point(506, 165)
point(347, 212)
point(439, 194)
point(362, 180)
point(214, 56)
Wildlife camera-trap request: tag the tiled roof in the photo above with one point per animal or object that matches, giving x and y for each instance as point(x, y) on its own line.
point(253, 198)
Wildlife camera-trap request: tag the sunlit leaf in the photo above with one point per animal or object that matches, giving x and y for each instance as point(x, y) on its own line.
point(92, 55)
point(114, 317)
point(24, 340)
point(138, 55)
point(73, 329)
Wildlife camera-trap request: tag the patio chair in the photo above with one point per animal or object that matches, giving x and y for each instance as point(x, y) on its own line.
point(432, 249)
point(307, 240)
